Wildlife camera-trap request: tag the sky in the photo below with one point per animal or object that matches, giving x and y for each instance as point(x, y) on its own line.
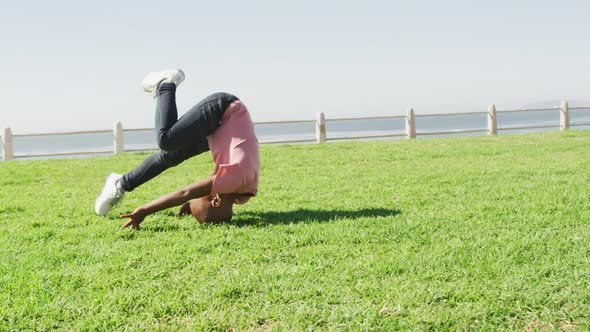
point(78, 65)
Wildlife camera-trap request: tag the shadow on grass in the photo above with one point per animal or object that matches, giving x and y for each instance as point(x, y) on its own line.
point(307, 216)
point(261, 219)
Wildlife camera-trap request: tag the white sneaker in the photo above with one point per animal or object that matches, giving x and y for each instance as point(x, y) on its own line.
point(152, 81)
point(110, 195)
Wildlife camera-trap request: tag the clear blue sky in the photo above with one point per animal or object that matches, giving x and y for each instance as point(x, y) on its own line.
point(70, 65)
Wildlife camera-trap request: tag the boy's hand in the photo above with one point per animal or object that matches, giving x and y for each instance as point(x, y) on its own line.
point(185, 209)
point(136, 218)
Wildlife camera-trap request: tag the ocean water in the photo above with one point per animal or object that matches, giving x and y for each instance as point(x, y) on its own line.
point(268, 133)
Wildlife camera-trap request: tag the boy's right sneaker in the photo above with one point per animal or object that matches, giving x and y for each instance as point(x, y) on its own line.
point(110, 195)
point(152, 81)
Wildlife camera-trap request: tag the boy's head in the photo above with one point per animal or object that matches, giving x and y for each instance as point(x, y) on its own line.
point(212, 209)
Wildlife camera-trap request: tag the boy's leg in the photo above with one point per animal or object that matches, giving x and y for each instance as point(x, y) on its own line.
point(116, 185)
point(159, 162)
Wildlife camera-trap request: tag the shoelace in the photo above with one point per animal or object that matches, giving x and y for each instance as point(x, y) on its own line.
point(115, 200)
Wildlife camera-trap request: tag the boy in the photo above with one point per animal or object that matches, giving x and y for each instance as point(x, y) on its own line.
point(219, 123)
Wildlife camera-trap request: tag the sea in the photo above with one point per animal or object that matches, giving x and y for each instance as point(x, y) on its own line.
point(335, 129)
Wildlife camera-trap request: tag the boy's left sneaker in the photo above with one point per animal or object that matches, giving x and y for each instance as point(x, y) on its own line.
point(110, 195)
point(152, 81)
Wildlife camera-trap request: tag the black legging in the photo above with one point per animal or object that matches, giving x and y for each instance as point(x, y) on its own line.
point(179, 139)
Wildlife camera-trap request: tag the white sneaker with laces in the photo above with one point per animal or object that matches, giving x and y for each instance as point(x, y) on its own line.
point(152, 81)
point(110, 195)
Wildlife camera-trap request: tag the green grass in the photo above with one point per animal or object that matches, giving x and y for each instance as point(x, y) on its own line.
point(479, 233)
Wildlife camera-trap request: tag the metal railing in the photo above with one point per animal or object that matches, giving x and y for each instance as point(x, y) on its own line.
point(320, 130)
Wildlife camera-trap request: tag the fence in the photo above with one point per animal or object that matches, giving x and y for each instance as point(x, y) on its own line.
point(320, 130)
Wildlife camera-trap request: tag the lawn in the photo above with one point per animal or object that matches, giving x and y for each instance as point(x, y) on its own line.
point(480, 233)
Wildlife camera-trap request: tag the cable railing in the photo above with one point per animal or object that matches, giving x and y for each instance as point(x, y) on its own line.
point(321, 135)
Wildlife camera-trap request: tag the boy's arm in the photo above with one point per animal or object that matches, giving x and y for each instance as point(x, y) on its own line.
point(175, 198)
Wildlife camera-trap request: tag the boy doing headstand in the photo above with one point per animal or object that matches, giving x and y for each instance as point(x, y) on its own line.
point(219, 123)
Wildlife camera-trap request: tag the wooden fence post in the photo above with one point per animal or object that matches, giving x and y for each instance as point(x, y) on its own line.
point(7, 145)
point(492, 120)
point(411, 124)
point(119, 138)
point(564, 116)
point(320, 128)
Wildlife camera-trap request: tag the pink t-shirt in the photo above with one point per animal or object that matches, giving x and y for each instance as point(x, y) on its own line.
point(234, 147)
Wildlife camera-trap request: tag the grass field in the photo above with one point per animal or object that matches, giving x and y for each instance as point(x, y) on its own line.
point(479, 233)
